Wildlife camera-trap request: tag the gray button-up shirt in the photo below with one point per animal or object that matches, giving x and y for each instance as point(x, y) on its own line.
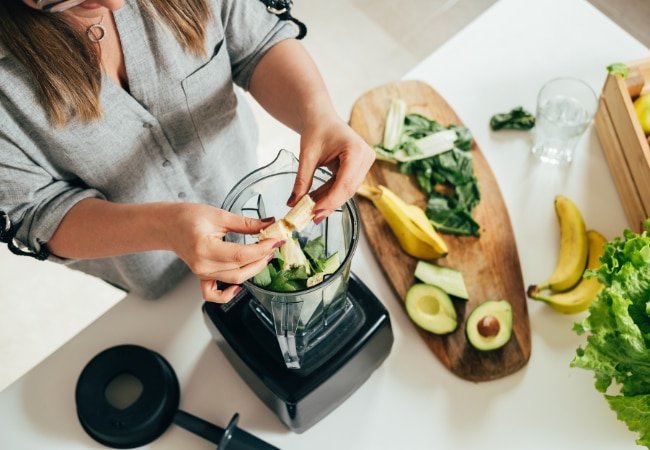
point(182, 133)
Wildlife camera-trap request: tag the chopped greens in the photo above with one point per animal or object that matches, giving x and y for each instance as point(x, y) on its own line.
point(517, 119)
point(446, 176)
point(306, 270)
point(618, 331)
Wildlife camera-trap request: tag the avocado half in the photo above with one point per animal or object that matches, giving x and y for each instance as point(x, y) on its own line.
point(431, 308)
point(489, 326)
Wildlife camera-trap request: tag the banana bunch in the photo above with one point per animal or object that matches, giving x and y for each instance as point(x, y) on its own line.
point(567, 290)
point(408, 222)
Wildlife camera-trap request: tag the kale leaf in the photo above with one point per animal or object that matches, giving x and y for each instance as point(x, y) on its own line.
point(447, 178)
point(517, 119)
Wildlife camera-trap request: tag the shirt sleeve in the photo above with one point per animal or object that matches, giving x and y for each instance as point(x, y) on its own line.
point(34, 200)
point(250, 31)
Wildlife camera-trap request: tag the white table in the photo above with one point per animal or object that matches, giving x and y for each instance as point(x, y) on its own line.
point(497, 62)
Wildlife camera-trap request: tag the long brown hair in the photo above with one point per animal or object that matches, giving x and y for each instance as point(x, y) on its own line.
point(66, 68)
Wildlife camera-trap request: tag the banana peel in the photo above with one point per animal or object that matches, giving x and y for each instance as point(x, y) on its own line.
point(583, 294)
point(408, 222)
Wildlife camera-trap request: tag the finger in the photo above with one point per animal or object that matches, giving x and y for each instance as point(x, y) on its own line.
point(211, 293)
point(233, 256)
point(245, 225)
point(241, 274)
point(331, 196)
point(304, 178)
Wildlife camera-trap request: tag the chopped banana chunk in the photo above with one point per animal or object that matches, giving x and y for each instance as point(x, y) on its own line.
point(277, 230)
point(301, 214)
point(293, 256)
point(296, 219)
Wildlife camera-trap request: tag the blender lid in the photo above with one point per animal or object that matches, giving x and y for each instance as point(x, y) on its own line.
point(154, 410)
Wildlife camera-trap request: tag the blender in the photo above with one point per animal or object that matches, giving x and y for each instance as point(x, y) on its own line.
point(302, 352)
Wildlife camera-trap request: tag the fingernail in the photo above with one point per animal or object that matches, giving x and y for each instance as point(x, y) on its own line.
point(292, 198)
point(279, 244)
point(270, 258)
point(236, 291)
point(268, 219)
point(319, 216)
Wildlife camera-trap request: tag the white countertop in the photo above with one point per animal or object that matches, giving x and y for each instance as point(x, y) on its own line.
point(498, 62)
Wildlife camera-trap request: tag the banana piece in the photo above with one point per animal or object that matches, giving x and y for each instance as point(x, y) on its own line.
point(580, 297)
point(300, 215)
point(573, 248)
point(409, 224)
point(295, 220)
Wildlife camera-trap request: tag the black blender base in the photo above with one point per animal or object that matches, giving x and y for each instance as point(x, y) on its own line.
point(301, 399)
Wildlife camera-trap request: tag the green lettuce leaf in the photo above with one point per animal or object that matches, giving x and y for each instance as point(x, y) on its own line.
point(635, 412)
point(618, 330)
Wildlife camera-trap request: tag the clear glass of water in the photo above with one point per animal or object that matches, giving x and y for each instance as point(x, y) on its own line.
point(565, 108)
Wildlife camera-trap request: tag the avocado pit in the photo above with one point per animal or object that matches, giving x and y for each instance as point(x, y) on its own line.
point(489, 325)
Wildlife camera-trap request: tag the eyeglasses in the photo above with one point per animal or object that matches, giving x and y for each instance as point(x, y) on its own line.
point(54, 6)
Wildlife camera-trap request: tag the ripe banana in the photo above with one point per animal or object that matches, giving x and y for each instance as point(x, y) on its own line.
point(573, 248)
point(409, 223)
point(580, 297)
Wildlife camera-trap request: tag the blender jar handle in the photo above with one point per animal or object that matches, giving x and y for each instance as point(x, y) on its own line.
point(286, 316)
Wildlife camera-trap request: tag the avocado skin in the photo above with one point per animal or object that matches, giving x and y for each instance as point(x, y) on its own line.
point(502, 311)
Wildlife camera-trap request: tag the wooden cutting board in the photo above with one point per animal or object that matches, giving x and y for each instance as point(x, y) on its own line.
point(489, 264)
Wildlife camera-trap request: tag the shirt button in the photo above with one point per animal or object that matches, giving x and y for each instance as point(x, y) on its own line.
point(166, 163)
point(182, 195)
point(146, 125)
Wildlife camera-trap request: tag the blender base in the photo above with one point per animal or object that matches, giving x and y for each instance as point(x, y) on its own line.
point(302, 398)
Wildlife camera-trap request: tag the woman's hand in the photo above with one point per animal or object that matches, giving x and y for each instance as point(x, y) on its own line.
point(333, 144)
point(287, 83)
point(96, 228)
point(197, 238)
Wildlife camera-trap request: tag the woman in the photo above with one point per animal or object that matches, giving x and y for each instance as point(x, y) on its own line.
point(121, 128)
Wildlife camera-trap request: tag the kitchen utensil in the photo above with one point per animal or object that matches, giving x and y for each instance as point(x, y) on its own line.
point(152, 412)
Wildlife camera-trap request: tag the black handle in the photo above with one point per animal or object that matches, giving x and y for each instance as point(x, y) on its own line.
point(198, 426)
point(232, 438)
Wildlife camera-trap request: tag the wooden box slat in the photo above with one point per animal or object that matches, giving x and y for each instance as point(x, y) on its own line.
point(624, 143)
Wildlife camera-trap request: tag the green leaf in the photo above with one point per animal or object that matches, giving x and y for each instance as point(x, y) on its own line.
point(618, 330)
point(263, 278)
point(517, 119)
point(635, 412)
point(618, 69)
point(453, 169)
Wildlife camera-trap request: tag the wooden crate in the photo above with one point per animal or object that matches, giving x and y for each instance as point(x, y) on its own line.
point(624, 144)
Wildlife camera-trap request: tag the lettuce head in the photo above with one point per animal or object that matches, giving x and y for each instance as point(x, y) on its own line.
point(618, 331)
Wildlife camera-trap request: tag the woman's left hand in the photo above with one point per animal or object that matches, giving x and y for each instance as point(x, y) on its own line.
point(287, 83)
point(332, 144)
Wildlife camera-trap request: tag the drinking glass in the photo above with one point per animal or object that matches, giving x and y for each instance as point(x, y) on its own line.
point(565, 108)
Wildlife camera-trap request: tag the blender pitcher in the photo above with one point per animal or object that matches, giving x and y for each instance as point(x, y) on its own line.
point(313, 318)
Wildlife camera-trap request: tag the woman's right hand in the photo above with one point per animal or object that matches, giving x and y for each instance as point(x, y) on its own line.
point(196, 236)
point(96, 228)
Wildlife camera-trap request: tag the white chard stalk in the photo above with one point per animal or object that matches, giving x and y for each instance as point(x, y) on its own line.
point(394, 123)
